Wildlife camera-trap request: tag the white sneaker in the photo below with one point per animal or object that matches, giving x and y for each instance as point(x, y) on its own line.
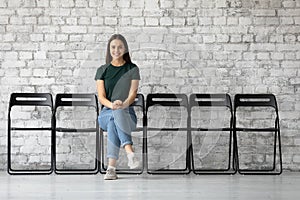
point(110, 174)
point(133, 163)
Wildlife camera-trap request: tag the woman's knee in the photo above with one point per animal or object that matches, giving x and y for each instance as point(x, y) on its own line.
point(104, 118)
point(111, 126)
point(102, 123)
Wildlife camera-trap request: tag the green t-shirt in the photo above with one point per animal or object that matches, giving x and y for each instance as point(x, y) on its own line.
point(117, 80)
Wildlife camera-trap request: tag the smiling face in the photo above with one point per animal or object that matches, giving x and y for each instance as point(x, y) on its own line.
point(117, 49)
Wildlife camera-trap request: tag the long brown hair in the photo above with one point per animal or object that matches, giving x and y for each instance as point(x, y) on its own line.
point(126, 55)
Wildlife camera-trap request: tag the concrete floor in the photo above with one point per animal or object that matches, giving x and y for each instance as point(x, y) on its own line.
point(286, 186)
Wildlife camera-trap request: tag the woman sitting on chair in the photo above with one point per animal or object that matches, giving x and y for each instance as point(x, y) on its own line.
point(117, 85)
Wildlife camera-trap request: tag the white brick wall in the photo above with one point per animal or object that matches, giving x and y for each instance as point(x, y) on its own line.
point(185, 46)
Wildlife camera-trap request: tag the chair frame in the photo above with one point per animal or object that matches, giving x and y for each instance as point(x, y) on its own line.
point(70, 100)
point(214, 100)
point(165, 100)
point(181, 102)
point(30, 99)
point(257, 100)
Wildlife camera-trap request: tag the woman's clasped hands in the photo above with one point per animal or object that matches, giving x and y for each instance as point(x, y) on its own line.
point(117, 104)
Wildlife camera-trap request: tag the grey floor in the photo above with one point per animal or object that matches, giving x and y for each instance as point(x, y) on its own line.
point(286, 186)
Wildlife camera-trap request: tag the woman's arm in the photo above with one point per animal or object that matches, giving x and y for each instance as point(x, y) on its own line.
point(132, 93)
point(102, 95)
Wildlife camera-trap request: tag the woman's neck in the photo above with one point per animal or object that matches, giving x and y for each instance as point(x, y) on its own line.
point(118, 62)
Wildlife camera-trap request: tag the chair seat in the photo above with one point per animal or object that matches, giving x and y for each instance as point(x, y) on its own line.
point(257, 129)
point(166, 129)
point(211, 129)
point(75, 129)
point(31, 129)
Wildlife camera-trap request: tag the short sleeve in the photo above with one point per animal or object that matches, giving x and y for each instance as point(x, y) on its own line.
point(100, 72)
point(135, 73)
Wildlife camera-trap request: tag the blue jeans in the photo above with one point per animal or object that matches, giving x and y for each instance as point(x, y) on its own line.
point(119, 124)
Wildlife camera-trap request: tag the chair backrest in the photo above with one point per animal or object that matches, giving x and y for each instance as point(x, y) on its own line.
point(248, 100)
point(76, 100)
point(210, 100)
point(139, 101)
point(168, 99)
point(31, 99)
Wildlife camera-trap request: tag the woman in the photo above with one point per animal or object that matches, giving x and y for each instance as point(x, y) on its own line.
point(117, 85)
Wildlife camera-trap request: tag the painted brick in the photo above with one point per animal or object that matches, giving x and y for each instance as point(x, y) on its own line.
point(73, 29)
point(123, 4)
point(289, 12)
point(133, 12)
point(14, 3)
point(110, 21)
point(25, 72)
point(109, 3)
point(263, 56)
point(296, 159)
point(24, 55)
point(3, 4)
point(288, 47)
point(97, 21)
point(205, 21)
point(263, 12)
point(245, 20)
point(9, 37)
point(287, 20)
point(10, 55)
point(221, 3)
point(275, 4)
point(8, 64)
point(165, 21)
point(42, 3)
point(180, 4)
point(208, 38)
point(81, 3)
point(84, 20)
point(138, 21)
point(222, 38)
point(272, 21)
point(288, 29)
point(235, 47)
point(262, 47)
point(276, 38)
point(232, 20)
point(235, 38)
point(3, 20)
point(40, 55)
point(219, 21)
point(57, 12)
point(40, 72)
point(151, 21)
point(277, 56)
point(166, 4)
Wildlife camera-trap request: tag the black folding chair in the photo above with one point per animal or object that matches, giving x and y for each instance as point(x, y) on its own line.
point(76, 100)
point(259, 100)
point(168, 100)
point(139, 103)
point(209, 101)
point(28, 99)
